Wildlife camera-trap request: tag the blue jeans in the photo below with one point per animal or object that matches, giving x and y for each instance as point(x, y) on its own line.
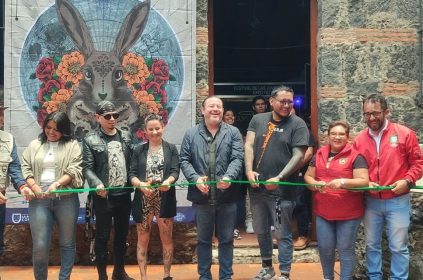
point(221, 217)
point(2, 224)
point(42, 213)
point(264, 206)
point(395, 213)
point(339, 235)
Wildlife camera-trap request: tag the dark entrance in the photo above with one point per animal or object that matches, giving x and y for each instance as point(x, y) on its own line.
point(257, 45)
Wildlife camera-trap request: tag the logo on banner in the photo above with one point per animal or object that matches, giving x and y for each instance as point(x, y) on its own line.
point(16, 218)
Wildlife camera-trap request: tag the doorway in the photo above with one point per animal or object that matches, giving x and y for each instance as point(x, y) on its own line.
point(257, 45)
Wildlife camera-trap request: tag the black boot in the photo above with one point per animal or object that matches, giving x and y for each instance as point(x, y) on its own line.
point(102, 271)
point(120, 274)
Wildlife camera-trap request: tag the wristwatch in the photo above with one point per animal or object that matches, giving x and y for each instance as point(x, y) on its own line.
point(342, 183)
point(409, 182)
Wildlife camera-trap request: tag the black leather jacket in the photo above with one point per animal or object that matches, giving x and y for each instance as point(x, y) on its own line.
point(95, 160)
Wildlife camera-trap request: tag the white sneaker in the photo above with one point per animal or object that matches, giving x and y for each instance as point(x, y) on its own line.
point(283, 277)
point(249, 227)
point(266, 273)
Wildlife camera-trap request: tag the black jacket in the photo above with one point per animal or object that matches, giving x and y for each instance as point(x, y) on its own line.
point(170, 168)
point(95, 160)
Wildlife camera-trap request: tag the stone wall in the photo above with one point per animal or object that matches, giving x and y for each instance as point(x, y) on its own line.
point(368, 47)
point(202, 53)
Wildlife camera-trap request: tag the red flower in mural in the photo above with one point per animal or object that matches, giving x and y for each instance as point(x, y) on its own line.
point(156, 88)
point(160, 71)
point(45, 69)
point(51, 86)
point(41, 116)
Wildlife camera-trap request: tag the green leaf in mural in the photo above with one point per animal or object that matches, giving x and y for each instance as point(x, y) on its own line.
point(57, 59)
point(172, 78)
point(137, 86)
point(150, 78)
point(33, 77)
point(148, 61)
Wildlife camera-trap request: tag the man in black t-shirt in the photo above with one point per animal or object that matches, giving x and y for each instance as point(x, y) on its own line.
point(107, 157)
point(275, 145)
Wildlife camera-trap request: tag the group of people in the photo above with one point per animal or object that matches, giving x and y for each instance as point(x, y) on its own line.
point(212, 157)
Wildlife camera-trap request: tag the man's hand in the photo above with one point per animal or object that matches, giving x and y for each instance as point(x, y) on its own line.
point(400, 186)
point(223, 185)
point(3, 199)
point(373, 184)
point(201, 186)
point(101, 191)
point(270, 183)
point(252, 176)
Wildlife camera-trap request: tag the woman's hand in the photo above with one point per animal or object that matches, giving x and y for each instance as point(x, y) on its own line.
point(27, 193)
point(37, 191)
point(145, 188)
point(270, 186)
point(54, 186)
point(320, 186)
point(164, 187)
point(335, 184)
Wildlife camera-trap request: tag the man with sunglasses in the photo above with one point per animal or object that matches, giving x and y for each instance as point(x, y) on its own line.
point(275, 145)
point(107, 157)
point(395, 159)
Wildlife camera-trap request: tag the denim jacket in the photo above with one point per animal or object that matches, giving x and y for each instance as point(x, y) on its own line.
point(10, 166)
point(95, 160)
point(229, 160)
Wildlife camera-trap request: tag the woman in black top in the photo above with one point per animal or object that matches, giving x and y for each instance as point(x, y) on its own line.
point(154, 166)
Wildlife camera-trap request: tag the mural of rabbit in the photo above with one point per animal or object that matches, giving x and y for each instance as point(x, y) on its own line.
point(103, 72)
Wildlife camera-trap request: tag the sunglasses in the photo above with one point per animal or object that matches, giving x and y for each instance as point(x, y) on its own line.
point(109, 116)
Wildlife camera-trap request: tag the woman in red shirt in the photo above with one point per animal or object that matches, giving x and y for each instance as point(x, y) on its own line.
point(334, 169)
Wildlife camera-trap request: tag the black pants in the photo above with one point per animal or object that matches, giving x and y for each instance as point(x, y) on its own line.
point(118, 209)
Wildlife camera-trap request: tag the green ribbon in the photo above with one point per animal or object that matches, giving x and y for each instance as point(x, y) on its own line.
point(364, 188)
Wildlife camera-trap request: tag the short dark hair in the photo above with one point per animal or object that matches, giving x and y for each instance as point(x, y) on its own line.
point(258, 97)
point(63, 126)
point(281, 88)
point(375, 98)
point(341, 123)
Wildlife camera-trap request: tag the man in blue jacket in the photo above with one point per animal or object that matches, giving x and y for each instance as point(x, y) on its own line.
point(212, 151)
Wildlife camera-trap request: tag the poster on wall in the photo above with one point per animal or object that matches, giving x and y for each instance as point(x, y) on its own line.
point(69, 55)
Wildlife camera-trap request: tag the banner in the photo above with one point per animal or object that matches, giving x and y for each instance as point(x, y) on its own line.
point(69, 55)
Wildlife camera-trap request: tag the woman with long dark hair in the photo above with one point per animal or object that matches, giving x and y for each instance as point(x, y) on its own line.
point(52, 162)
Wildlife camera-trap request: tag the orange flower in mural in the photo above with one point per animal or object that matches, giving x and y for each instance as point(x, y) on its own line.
point(63, 95)
point(70, 68)
point(135, 70)
point(51, 106)
point(143, 97)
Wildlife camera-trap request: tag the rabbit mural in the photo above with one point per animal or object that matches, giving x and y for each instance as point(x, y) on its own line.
point(102, 72)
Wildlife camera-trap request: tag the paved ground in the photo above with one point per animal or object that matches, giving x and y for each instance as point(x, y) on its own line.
point(300, 271)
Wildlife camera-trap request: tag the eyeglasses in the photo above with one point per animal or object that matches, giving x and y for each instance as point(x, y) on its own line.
point(284, 102)
point(109, 116)
point(375, 114)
